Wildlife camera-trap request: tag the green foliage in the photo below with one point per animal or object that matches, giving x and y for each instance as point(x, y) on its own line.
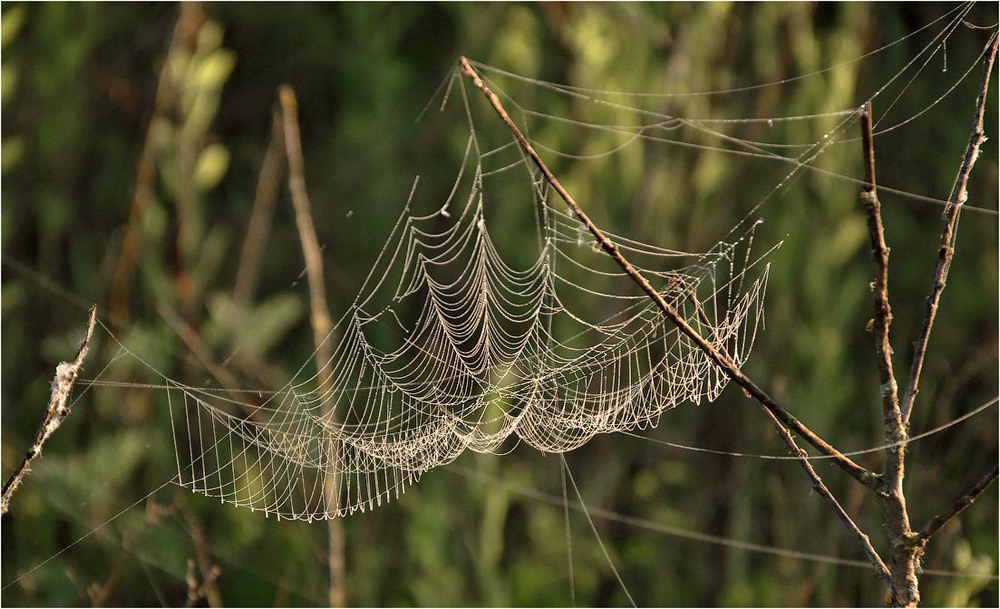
point(80, 99)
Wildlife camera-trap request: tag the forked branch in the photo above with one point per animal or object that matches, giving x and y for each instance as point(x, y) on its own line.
point(55, 413)
point(880, 567)
point(777, 414)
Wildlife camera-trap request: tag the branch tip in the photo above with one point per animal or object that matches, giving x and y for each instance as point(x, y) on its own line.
point(55, 413)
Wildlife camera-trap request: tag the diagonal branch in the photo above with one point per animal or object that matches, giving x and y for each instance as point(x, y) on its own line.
point(946, 251)
point(966, 500)
point(880, 568)
point(776, 414)
point(55, 414)
point(861, 474)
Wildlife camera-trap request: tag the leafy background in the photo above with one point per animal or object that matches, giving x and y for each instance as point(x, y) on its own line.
point(80, 87)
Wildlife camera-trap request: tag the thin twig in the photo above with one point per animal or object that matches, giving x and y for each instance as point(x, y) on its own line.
point(946, 251)
point(880, 258)
point(321, 325)
point(967, 499)
point(880, 568)
point(55, 413)
point(861, 474)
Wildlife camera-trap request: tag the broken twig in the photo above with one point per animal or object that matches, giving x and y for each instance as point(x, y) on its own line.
point(55, 414)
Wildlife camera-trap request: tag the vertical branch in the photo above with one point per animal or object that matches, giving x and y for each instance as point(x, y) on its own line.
point(946, 251)
point(778, 415)
point(322, 328)
point(897, 521)
point(55, 413)
point(880, 258)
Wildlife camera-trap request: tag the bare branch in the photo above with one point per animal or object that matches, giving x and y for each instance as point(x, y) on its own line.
point(883, 312)
point(55, 413)
point(946, 251)
point(321, 325)
point(864, 476)
point(903, 576)
point(966, 500)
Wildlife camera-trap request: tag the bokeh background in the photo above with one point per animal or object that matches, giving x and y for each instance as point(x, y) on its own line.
point(100, 149)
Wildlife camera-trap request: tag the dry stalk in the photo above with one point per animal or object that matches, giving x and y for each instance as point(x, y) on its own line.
point(321, 325)
point(903, 555)
point(268, 185)
point(946, 251)
point(55, 413)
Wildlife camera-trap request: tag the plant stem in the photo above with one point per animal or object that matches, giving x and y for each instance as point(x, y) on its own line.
point(946, 251)
point(184, 38)
point(904, 588)
point(322, 333)
point(55, 413)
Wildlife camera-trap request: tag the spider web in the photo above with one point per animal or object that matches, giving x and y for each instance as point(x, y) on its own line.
point(451, 348)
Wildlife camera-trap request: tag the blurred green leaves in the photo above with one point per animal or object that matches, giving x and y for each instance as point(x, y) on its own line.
point(11, 22)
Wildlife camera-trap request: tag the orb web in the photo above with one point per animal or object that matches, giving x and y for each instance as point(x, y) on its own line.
point(449, 347)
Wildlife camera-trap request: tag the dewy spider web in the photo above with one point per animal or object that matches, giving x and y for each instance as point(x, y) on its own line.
point(450, 346)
